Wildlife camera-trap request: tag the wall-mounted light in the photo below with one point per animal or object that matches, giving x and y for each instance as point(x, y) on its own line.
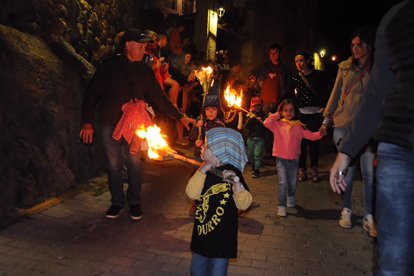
point(221, 11)
point(322, 52)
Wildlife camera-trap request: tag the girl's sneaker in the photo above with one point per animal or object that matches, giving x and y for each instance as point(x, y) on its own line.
point(370, 226)
point(345, 220)
point(281, 211)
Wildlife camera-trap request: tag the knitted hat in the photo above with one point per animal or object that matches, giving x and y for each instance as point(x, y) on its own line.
point(228, 146)
point(212, 100)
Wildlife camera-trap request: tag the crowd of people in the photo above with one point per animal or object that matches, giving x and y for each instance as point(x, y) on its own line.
point(284, 115)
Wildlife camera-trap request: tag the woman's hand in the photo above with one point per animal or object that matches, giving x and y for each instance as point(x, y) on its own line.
point(323, 130)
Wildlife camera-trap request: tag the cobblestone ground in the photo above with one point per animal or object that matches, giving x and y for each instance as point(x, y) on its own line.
point(74, 238)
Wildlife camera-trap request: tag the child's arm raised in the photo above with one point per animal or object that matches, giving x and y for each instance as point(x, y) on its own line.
point(272, 120)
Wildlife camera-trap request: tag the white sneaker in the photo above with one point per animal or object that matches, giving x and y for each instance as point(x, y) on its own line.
point(291, 201)
point(345, 220)
point(370, 226)
point(281, 211)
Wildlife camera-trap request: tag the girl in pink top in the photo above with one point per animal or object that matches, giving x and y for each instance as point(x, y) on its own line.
point(288, 134)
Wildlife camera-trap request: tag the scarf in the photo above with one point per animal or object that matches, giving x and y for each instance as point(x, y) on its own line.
point(292, 123)
point(228, 146)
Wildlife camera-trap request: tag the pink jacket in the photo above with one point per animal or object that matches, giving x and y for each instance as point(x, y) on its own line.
point(287, 137)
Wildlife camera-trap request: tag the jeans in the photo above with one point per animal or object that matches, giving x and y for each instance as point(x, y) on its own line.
point(313, 122)
point(255, 148)
point(117, 152)
point(395, 210)
point(367, 170)
point(203, 266)
point(287, 171)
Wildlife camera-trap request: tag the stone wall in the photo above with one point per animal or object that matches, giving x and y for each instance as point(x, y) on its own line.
point(40, 99)
point(48, 48)
point(88, 25)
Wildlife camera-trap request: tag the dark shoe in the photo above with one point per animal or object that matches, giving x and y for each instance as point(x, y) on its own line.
point(256, 174)
point(135, 212)
point(302, 175)
point(114, 211)
point(315, 174)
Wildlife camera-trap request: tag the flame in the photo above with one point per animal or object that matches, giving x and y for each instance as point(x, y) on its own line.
point(204, 76)
point(207, 69)
point(232, 97)
point(154, 138)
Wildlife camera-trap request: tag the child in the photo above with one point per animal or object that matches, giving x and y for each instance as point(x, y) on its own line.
point(214, 238)
point(256, 133)
point(288, 133)
point(213, 117)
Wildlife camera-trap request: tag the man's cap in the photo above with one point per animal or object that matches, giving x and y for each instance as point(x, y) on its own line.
point(135, 35)
point(256, 101)
point(151, 34)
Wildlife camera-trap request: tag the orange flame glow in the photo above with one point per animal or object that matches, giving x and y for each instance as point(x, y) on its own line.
point(204, 76)
point(155, 140)
point(232, 97)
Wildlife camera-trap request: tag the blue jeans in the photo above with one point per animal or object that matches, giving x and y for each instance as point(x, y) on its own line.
point(367, 170)
point(287, 170)
point(255, 148)
point(395, 210)
point(203, 266)
point(117, 153)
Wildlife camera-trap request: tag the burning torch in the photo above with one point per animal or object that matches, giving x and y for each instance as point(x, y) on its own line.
point(234, 99)
point(204, 76)
point(158, 149)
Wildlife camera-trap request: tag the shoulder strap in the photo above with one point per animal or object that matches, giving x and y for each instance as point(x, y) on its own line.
point(346, 93)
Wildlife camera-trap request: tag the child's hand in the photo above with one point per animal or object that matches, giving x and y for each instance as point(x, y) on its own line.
point(200, 123)
point(208, 165)
point(323, 130)
point(237, 186)
point(228, 173)
point(252, 115)
point(198, 143)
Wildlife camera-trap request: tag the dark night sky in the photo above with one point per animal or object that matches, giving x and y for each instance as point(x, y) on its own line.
point(341, 18)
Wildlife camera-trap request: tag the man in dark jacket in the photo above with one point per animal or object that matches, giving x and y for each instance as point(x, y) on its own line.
point(387, 111)
point(119, 79)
